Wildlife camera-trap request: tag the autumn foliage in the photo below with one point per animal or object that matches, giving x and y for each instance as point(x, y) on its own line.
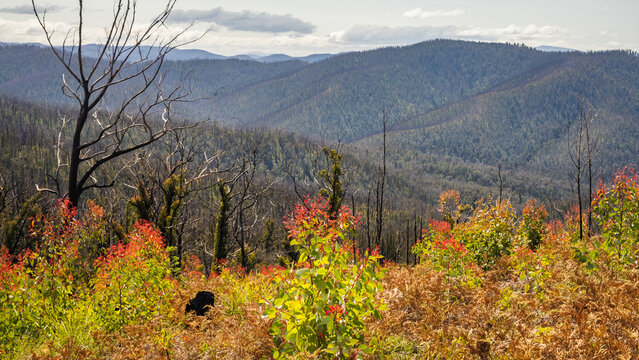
point(73, 285)
point(320, 305)
point(492, 282)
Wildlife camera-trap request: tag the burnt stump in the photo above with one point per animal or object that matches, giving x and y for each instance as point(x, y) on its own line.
point(200, 303)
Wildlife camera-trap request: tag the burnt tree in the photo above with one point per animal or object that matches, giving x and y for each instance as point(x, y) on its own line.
point(122, 104)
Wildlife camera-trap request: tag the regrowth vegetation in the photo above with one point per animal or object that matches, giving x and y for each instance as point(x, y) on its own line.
point(492, 283)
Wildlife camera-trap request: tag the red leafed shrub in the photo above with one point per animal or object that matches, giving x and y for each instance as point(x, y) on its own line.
point(440, 250)
point(320, 305)
point(133, 281)
point(532, 226)
point(44, 288)
point(616, 209)
point(71, 284)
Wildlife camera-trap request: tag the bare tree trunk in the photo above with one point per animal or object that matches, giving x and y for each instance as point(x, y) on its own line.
point(381, 182)
point(408, 241)
point(501, 183)
point(242, 242)
point(416, 239)
point(368, 220)
point(576, 159)
point(591, 148)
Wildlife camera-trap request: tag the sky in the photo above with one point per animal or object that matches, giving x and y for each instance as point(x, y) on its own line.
point(298, 27)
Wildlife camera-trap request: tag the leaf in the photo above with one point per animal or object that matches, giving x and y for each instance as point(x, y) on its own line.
point(303, 272)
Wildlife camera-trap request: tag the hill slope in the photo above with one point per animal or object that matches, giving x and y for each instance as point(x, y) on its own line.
point(474, 105)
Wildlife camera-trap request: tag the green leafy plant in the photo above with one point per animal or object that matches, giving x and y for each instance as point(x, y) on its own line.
point(440, 250)
point(616, 211)
point(41, 290)
point(133, 280)
point(320, 305)
point(451, 208)
point(488, 234)
point(532, 268)
point(532, 226)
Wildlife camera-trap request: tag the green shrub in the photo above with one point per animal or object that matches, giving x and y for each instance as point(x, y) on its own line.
point(133, 281)
point(70, 286)
point(440, 250)
point(616, 211)
point(41, 289)
point(488, 234)
point(532, 226)
point(321, 304)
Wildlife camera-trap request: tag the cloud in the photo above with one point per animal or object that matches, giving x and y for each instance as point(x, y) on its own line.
point(28, 9)
point(245, 20)
point(513, 33)
point(378, 35)
point(386, 35)
point(422, 14)
point(22, 31)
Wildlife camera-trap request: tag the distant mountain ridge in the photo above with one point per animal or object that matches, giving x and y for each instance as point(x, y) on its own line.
point(93, 50)
point(456, 109)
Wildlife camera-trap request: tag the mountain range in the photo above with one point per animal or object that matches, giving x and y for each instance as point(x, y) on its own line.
point(93, 50)
point(456, 110)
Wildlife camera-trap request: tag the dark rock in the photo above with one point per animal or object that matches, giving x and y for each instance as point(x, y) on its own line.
point(200, 303)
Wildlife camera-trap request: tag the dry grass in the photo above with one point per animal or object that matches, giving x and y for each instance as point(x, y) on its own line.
point(232, 329)
point(578, 315)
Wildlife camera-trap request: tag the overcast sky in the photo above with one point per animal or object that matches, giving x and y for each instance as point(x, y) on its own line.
point(299, 27)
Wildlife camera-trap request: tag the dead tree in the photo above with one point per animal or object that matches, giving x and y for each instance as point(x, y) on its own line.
point(106, 127)
point(592, 146)
point(190, 167)
point(368, 220)
point(379, 190)
point(239, 211)
point(501, 183)
point(582, 154)
point(576, 157)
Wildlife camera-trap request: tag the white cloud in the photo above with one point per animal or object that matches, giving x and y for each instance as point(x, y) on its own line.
point(422, 14)
point(233, 43)
point(28, 9)
point(383, 35)
point(245, 20)
point(513, 33)
point(25, 31)
point(386, 35)
point(30, 31)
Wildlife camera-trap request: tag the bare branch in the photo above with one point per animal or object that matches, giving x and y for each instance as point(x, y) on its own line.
point(143, 115)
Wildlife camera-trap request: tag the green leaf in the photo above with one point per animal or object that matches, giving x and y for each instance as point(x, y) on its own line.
point(303, 272)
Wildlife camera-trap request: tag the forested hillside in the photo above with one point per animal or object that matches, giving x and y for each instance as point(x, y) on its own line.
point(446, 101)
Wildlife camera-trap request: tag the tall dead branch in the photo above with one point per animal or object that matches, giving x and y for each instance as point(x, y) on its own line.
point(121, 101)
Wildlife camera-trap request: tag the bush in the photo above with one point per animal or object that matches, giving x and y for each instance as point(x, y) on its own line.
point(443, 252)
point(531, 268)
point(70, 285)
point(41, 288)
point(616, 211)
point(488, 234)
point(532, 226)
point(321, 304)
point(133, 280)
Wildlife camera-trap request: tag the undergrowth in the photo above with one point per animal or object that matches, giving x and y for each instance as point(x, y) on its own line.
point(491, 284)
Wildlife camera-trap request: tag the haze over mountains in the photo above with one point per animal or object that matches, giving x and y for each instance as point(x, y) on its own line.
point(92, 50)
point(456, 110)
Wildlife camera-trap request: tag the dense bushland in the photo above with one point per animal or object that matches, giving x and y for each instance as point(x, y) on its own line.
point(73, 285)
point(490, 283)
